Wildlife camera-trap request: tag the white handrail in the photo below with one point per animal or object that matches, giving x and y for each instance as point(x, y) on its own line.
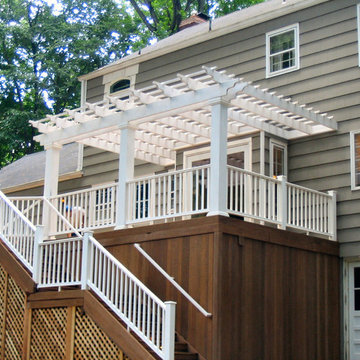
point(17, 232)
point(17, 211)
point(173, 282)
point(63, 218)
point(142, 311)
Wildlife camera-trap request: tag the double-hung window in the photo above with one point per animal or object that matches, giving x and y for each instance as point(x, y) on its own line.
point(355, 159)
point(282, 50)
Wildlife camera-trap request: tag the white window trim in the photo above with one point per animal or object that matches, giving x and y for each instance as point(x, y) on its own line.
point(270, 34)
point(352, 159)
point(271, 155)
point(358, 29)
point(120, 92)
point(128, 73)
point(232, 147)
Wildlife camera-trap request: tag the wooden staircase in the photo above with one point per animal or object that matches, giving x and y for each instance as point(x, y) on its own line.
point(182, 351)
point(101, 314)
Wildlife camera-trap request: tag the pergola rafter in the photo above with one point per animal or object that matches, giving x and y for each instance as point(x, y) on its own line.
point(176, 113)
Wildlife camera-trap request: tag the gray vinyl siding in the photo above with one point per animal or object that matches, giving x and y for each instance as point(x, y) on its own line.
point(95, 90)
point(328, 80)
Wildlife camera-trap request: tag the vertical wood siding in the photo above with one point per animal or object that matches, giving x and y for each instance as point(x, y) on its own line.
point(272, 294)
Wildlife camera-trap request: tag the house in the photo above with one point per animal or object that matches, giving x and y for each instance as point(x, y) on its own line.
point(220, 170)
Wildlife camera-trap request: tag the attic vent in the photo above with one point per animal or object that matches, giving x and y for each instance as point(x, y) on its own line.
point(120, 85)
point(193, 20)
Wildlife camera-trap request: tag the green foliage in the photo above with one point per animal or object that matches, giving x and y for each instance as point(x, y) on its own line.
point(44, 48)
point(161, 18)
point(42, 52)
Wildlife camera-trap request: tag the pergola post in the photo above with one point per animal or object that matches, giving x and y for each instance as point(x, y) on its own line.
point(218, 158)
point(51, 179)
point(126, 173)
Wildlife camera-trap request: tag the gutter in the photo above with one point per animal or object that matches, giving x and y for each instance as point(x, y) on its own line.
point(238, 20)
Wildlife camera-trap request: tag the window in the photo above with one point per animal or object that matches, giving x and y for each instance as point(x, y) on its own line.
point(120, 85)
point(278, 158)
point(282, 50)
point(355, 159)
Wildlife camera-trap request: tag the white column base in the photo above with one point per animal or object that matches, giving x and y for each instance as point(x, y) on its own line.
point(215, 213)
point(120, 227)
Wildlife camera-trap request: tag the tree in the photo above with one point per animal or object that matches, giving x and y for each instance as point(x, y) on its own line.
point(162, 17)
point(43, 50)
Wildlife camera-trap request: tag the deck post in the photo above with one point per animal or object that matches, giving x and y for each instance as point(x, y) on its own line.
point(51, 179)
point(37, 258)
point(85, 259)
point(126, 173)
point(169, 331)
point(218, 158)
point(282, 203)
point(332, 215)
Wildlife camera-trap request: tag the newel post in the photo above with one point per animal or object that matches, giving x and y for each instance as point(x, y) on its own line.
point(283, 202)
point(218, 158)
point(169, 330)
point(126, 173)
point(37, 256)
point(332, 215)
point(85, 259)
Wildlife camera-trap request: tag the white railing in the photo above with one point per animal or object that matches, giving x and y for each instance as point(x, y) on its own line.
point(30, 206)
point(60, 263)
point(86, 209)
point(253, 195)
point(142, 311)
point(310, 209)
point(277, 201)
point(17, 231)
point(83, 261)
point(178, 193)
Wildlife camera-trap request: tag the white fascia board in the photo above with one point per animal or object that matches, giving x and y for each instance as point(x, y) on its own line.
point(238, 20)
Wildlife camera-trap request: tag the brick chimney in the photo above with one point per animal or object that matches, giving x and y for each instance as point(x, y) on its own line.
point(193, 20)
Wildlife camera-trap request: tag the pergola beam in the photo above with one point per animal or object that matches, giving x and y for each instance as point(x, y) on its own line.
point(176, 113)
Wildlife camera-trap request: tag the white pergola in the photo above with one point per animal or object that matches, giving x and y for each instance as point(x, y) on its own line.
point(151, 124)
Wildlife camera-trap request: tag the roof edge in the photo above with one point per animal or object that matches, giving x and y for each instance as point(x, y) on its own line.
point(238, 20)
point(37, 183)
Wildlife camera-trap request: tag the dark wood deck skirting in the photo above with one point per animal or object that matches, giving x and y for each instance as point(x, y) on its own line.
point(273, 294)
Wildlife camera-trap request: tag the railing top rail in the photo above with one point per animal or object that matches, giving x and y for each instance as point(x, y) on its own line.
point(265, 177)
point(170, 173)
point(310, 190)
point(76, 192)
point(248, 172)
point(60, 241)
point(18, 213)
point(127, 272)
point(25, 197)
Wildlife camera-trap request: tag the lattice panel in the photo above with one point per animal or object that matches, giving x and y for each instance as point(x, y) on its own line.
point(14, 330)
point(92, 343)
point(48, 334)
point(2, 298)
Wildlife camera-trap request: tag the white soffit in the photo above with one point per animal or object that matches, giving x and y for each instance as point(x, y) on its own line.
point(177, 113)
